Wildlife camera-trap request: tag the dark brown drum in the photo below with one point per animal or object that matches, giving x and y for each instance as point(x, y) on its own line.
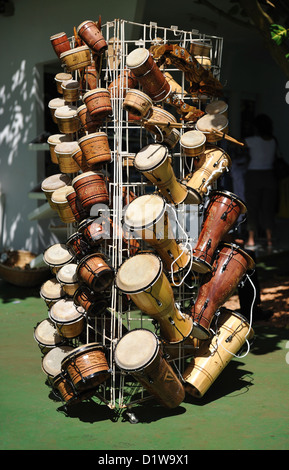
point(88, 122)
point(94, 304)
point(95, 272)
point(229, 267)
point(91, 35)
point(220, 216)
point(98, 103)
point(93, 232)
point(77, 246)
point(91, 189)
point(86, 366)
point(78, 211)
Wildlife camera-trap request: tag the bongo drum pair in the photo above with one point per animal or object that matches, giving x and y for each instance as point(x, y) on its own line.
point(154, 163)
point(141, 63)
point(213, 355)
point(229, 267)
point(220, 215)
point(142, 278)
point(146, 217)
point(139, 353)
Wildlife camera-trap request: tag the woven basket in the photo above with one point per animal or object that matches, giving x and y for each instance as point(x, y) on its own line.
point(16, 270)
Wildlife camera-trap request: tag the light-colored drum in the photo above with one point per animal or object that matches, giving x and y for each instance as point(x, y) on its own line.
point(51, 362)
point(68, 279)
point(56, 256)
point(154, 163)
point(208, 167)
point(137, 102)
point(51, 291)
point(193, 143)
point(162, 116)
point(142, 278)
point(95, 149)
point(59, 79)
point(53, 105)
point(54, 140)
point(170, 140)
point(63, 208)
point(209, 122)
point(232, 331)
point(52, 183)
point(68, 318)
point(67, 119)
point(146, 217)
point(76, 58)
point(70, 90)
point(139, 353)
point(63, 152)
point(217, 107)
point(46, 336)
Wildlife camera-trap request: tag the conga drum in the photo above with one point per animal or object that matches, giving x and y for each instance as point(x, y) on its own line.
point(60, 43)
point(63, 208)
point(98, 103)
point(217, 107)
point(220, 215)
point(70, 90)
point(86, 366)
point(95, 149)
point(77, 245)
point(59, 79)
point(160, 115)
point(208, 167)
point(76, 207)
point(91, 189)
point(91, 34)
point(76, 59)
point(52, 183)
point(54, 140)
point(93, 303)
point(54, 105)
point(213, 355)
point(141, 63)
point(154, 163)
point(51, 291)
point(63, 152)
point(139, 353)
point(46, 336)
point(95, 272)
point(56, 256)
point(146, 217)
point(68, 318)
point(193, 143)
point(93, 232)
point(142, 278)
point(137, 102)
point(229, 267)
point(68, 279)
point(209, 122)
point(67, 119)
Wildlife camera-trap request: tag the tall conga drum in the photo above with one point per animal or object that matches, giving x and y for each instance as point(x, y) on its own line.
point(154, 163)
point(213, 355)
point(142, 278)
point(209, 122)
point(220, 215)
point(94, 271)
point(91, 34)
point(47, 336)
point(56, 256)
point(154, 83)
point(87, 366)
point(229, 267)
point(208, 167)
point(146, 217)
point(51, 291)
point(139, 353)
point(68, 318)
point(91, 189)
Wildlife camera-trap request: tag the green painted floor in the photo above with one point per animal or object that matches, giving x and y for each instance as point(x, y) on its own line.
point(246, 408)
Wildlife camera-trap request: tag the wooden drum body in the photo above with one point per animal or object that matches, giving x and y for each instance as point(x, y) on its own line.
point(60, 43)
point(63, 208)
point(213, 355)
point(88, 122)
point(68, 279)
point(229, 267)
point(94, 304)
point(95, 149)
point(146, 217)
point(76, 59)
point(67, 119)
point(220, 216)
point(75, 205)
point(142, 278)
point(86, 366)
point(193, 143)
point(93, 232)
point(144, 68)
point(77, 246)
point(95, 272)
point(160, 115)
point(68, 318)
point(138, 353)
point(98, 103)
point(90, 33)
point(137, 102)
point(46, 336)
point(51, 291)
point(56, 256)
point(91, 189)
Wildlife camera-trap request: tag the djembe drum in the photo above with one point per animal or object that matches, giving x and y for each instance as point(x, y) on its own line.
point(142, 278)
point(154, 163)
point(208, 167)
point(146, 217)
point(139, 353)
point(68, 278)
point(68, 318)
point(222, 212)
point(144, 68)
point(93, 303)
point(56, 256)
point(213, 355)
point(229, 267)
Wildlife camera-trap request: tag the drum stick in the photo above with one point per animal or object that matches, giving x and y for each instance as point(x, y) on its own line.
point(163, 124)
point(227, 137)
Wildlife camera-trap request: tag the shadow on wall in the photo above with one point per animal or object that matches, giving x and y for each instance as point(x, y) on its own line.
point(18, 104)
